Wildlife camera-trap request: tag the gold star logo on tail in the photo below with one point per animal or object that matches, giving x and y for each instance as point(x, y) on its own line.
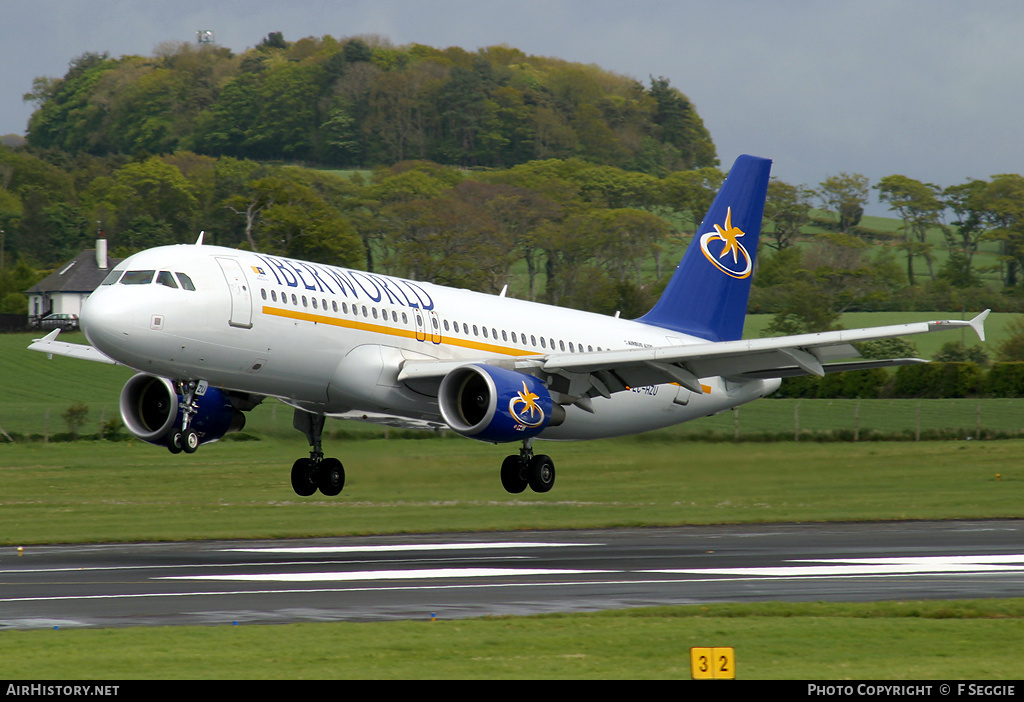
point(740, 265)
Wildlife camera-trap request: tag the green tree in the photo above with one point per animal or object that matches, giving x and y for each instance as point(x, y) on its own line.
point(450, 242)
point(1012, 348)
point(400, 112)
point(403, 182)
point(67, 115)
point(692, 192)
point(299, 222)
point(10, 213)
point(845, 196)
point(802, 310)
point(75, 416)
point(569, 247)
point(968, 230)
point(809, 289)
point(519, 213)
point(468, 118)
point(888, 348)
point(626, 239)
point(920, 207)
point(958, 352)
point(1004, 200)
point(149, 202)
point(682, 127)
point(144, 106)
point(787, 210)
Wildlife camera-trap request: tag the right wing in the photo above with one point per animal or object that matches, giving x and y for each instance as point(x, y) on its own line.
point(600, 373)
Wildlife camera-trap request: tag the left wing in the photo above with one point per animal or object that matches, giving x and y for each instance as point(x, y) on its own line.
point(601, 373)
point(51, 347)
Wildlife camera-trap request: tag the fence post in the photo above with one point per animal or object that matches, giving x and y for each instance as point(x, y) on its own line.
point(917, 422)
point(796, 421)
point(735, 423)
point(856, 421)
point(977, 422)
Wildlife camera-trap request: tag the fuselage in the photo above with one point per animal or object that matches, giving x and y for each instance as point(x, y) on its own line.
point(332, 341)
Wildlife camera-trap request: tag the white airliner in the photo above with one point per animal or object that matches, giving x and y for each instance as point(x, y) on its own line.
point(213, 331)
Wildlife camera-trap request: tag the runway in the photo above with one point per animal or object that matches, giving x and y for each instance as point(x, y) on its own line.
point(451, 576)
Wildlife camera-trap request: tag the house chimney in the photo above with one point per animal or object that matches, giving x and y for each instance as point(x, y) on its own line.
point(101, 252)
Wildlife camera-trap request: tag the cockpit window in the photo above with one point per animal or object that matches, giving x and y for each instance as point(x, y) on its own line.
point(112, 276)
point(186, 282)
point(165, 278)
point(137, 278)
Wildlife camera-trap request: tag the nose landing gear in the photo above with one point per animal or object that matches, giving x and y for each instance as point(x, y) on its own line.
point(187, 439)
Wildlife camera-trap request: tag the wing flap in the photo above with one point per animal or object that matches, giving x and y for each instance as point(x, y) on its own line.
point(794, 371)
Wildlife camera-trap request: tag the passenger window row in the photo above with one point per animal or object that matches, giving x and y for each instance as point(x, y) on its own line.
point(453, 327)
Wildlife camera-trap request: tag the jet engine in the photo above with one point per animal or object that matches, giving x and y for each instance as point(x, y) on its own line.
point(151, 408)
point(497, 405)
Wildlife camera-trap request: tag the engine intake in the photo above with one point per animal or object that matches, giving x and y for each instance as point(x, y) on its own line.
point(495, 404)
point(151, 410)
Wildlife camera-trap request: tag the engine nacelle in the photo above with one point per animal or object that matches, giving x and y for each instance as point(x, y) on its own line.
point(151, 410)
point(497, 405)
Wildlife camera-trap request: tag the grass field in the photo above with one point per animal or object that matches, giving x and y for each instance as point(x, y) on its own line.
point(944, 641)
point(126, 491)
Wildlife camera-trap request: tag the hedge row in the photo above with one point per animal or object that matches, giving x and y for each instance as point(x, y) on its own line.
point(926, 380)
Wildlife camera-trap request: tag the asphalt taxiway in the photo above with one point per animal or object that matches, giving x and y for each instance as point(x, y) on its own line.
point(465, 575)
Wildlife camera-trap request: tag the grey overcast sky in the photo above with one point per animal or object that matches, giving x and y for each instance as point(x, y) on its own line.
point(931, 89)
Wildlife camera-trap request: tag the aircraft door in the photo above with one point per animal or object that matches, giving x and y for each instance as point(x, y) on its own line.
point(421, 325)
point(435, 327)
point(241, 298)
point(428, 326)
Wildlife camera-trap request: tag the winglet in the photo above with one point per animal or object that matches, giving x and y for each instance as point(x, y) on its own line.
point(978, 324)
point(51, 336)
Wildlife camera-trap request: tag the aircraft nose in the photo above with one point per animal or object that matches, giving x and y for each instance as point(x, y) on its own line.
point(103, 320)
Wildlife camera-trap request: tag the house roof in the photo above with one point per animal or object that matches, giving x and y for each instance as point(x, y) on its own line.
point(81, 274)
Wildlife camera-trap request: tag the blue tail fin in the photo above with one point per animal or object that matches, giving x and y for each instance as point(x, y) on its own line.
point(707, 295)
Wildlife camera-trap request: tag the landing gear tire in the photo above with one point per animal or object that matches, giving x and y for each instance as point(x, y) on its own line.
point(330, 476)
point(304, 477)
point(512, 478)
point(176, 443)
point(541, 473)
point(190, 441)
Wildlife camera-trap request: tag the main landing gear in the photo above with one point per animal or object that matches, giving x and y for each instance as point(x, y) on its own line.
point(316, 472)
point(185, 439)
point(527, 469)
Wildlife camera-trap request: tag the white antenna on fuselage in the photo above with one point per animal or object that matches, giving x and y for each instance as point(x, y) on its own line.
point(199, 241)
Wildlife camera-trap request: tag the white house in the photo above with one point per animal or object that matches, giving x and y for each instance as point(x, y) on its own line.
point(64, 291)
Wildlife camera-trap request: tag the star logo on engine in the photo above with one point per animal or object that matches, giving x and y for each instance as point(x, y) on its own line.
point(524, 408)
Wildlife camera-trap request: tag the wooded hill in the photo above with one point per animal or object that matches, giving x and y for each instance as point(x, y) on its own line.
point(361, 102)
